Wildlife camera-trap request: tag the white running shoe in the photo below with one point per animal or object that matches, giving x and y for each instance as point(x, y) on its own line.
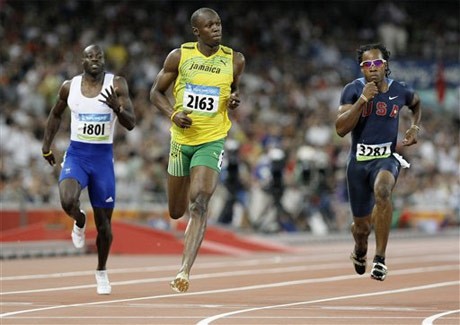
point(103, 284)
point(379, 271)
point(78, 234)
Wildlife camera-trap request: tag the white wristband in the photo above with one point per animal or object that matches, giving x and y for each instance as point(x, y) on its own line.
point(364, 98)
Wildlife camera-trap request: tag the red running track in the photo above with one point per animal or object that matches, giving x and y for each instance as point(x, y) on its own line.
point(315, 284)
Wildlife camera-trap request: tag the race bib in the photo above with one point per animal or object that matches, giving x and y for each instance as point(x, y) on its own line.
point(94, 127)
point(372, 151)
point(204, 99)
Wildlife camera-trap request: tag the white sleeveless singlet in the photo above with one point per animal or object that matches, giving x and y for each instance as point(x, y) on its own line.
point(91, 120)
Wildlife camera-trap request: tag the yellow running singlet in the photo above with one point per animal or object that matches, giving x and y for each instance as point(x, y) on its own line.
point(203, 86)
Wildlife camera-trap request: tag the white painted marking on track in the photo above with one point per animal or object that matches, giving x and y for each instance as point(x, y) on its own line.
point(277, 259)
point(209, 320)
point(226, 249)
point(245, 288)
point(206, 265)
point(235, 273)
point(431, 319)
point(370, 308)
point(284, 318)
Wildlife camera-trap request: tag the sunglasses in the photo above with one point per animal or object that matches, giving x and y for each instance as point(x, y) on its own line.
point(376, 63)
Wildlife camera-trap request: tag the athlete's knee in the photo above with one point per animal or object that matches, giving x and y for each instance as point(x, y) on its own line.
point(69, 205)
point(199, 205)
point(382, 192)
point(176, 211)
point(197, 209)
point(361, 228)
point(104, 230)
point(175, 214)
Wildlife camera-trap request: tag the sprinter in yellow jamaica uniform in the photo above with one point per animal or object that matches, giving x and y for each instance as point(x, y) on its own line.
point(206, 78)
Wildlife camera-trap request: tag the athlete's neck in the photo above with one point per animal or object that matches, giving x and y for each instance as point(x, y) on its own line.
point(206, 49)
point(93, 79)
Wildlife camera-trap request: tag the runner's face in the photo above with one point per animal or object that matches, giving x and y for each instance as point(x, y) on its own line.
point(209, 29)
point(376, 71)
point(93, 61)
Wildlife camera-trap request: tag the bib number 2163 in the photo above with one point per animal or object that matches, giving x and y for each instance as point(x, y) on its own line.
point(201, 98)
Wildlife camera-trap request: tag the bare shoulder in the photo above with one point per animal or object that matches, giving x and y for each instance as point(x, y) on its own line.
point(66, 84)
point(174, 56)
point(119, 80)
point(121, 85)
point(65, 89)
point(175, 52)
point(239, 63)
point(238, 57)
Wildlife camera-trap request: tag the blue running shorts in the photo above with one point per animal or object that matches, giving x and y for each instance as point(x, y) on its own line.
point(361, 176)
point(92, 166)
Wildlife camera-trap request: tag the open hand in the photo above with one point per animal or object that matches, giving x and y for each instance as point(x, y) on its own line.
point(111, 99)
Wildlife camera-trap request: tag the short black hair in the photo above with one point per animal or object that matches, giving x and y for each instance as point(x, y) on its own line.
point(198, 12)
point(375, 46)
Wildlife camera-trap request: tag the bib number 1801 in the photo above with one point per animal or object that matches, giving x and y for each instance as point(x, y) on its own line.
point(93, 129)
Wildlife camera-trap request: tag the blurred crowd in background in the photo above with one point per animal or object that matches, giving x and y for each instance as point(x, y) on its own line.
point(284, 166)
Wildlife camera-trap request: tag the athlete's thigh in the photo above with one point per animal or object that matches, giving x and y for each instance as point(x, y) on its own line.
point(73, 167)
point(360, 192)
point(178, 195)
point(209, 154)
point(179, 159)
point(101, 186)
point(206, 164)
point(69, 190)
point(203, 182)
point(380, 174)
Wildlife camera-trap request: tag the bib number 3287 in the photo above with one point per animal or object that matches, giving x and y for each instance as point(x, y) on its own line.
point(199, 98)
point(372, 151)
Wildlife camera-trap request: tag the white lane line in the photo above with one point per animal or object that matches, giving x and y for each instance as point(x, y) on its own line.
point(253, 262)
point(235, 318)
point(199, 276)
point(233, 274)
point(431, 319)
point(208, 320)
point(244, 288)
point(204, 265)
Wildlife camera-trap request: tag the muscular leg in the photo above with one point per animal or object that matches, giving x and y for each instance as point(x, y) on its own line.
point(102, 219)
point(202, 185)
point(361, 228)
point(178, 194)
point(383, 210)
point(69, 192)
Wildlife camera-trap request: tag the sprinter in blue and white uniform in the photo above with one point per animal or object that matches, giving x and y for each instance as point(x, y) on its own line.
point(369, 109)
point(96, 99)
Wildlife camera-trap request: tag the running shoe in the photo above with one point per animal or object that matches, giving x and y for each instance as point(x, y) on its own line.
point(379, 271)
point(78, 234)
point(359, 262)
point(180, 283)
point(103, 284)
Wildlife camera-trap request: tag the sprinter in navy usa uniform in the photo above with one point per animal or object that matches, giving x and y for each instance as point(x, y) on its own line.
point(369, 109)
